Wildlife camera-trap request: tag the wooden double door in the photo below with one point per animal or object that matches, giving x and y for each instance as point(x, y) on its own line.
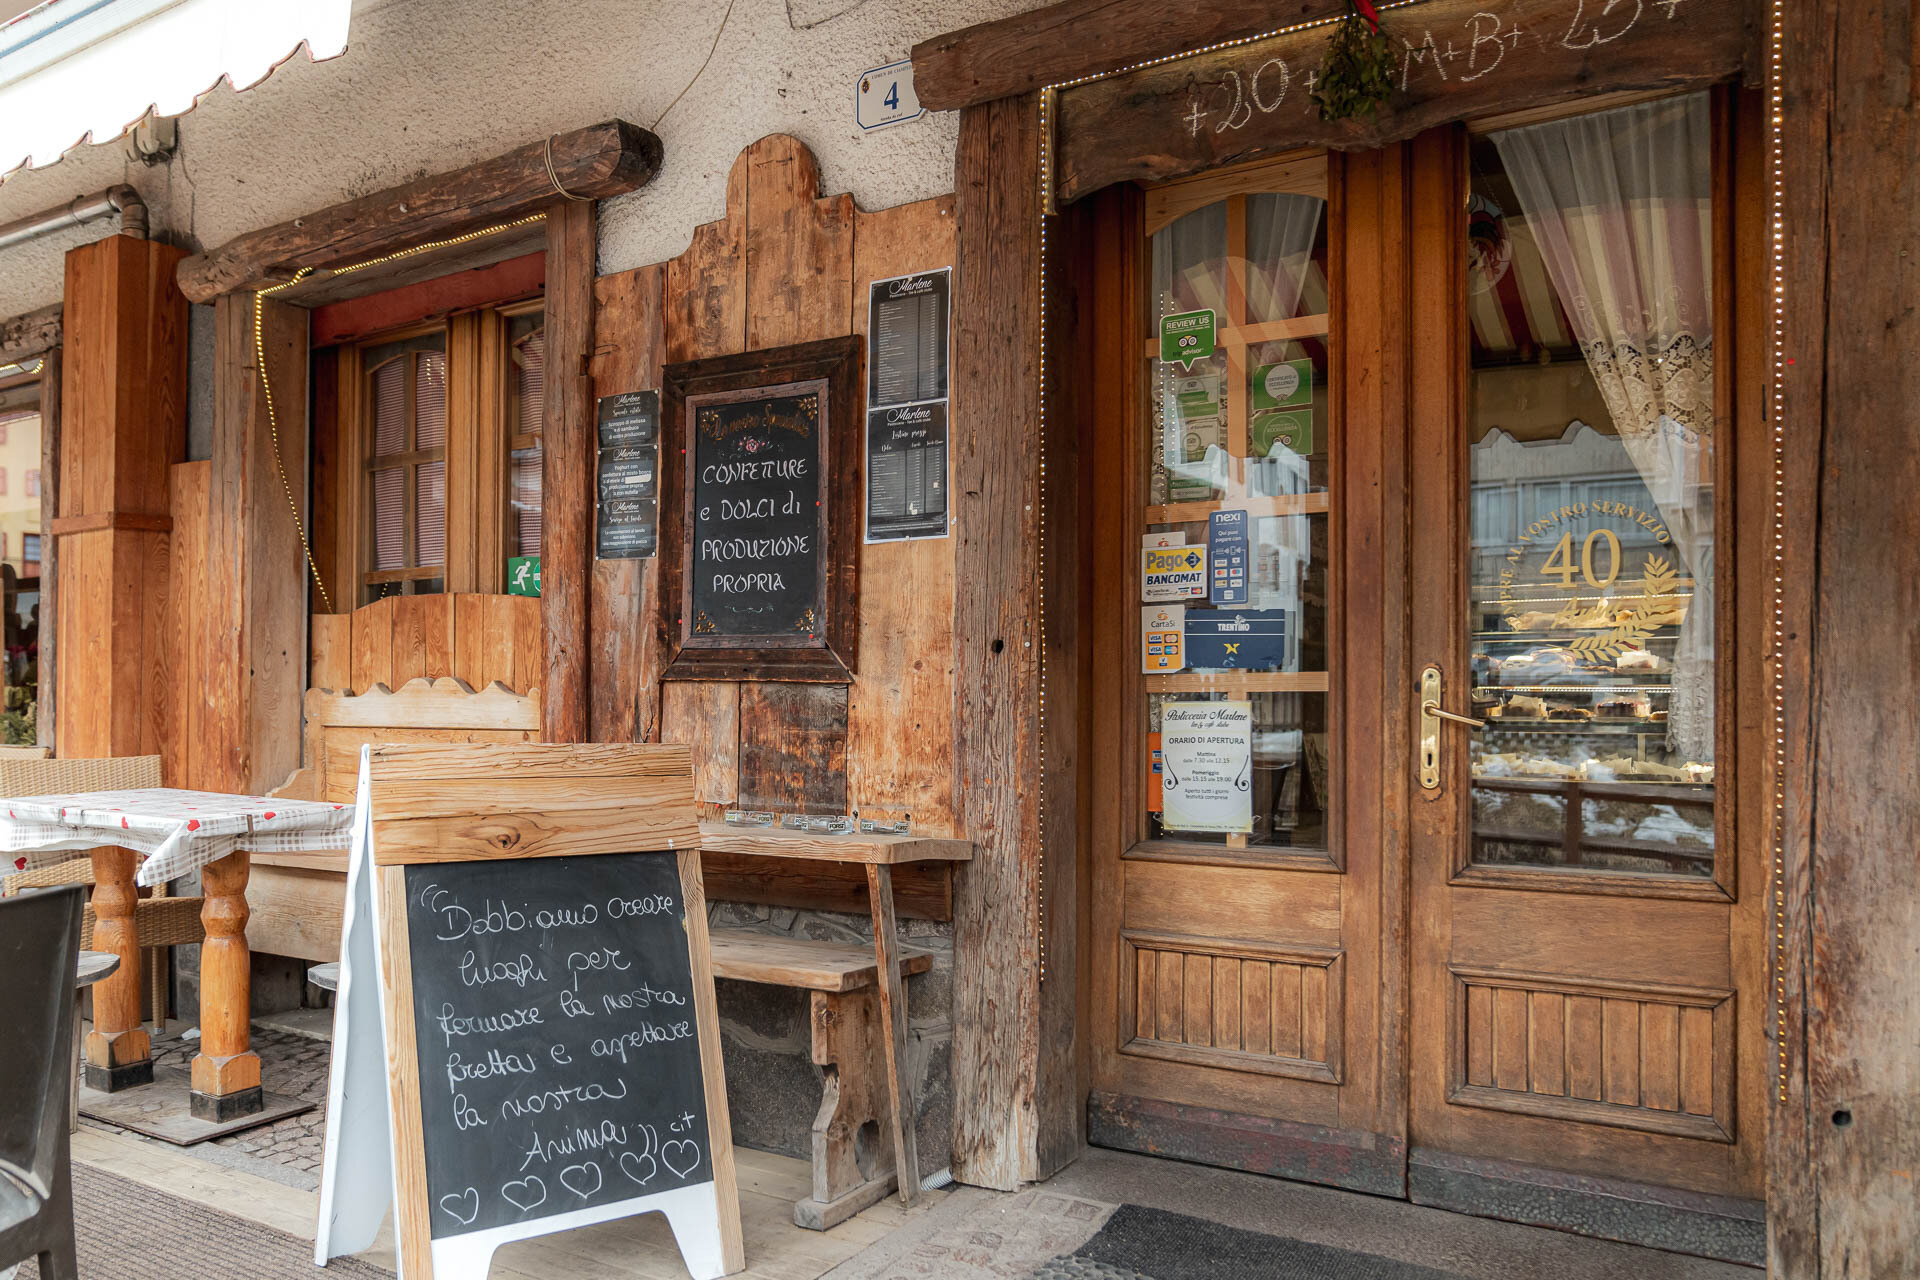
point(1336, 936)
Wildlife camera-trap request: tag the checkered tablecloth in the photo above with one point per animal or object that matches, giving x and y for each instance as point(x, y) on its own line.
point(178, 831)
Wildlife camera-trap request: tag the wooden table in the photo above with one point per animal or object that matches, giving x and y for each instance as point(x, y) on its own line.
point(879, 854)
point(146, 836)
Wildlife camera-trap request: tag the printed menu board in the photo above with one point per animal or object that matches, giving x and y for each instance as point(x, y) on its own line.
point(628, 489)
point(907, 467)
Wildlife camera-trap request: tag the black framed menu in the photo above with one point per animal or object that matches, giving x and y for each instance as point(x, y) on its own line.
point(626, 525)
point(761, 484)
point(908, 322)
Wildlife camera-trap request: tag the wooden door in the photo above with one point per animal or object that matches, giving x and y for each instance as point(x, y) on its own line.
point(1587, 941)
point(1238, 788)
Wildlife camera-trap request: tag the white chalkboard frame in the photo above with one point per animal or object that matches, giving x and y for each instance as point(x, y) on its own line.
point(832, 657)
point(520, 801)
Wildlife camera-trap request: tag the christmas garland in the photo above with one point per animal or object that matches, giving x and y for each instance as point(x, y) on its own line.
point(1357, 77)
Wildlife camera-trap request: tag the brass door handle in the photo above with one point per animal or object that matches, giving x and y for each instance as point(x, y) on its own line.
point(1432, 708)
point(1430, 717)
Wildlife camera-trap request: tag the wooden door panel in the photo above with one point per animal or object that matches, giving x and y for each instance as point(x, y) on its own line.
point(1240, 1007)
point(1607, 938)
point(1224, 902)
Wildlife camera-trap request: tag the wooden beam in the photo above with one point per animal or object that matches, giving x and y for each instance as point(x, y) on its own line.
point(568, 454)
point(1084, 37)
point(1461, 59)
point(25, 336)
point(996, 335)
point(1846, 1138)
point(50, 410)
point(603, 160)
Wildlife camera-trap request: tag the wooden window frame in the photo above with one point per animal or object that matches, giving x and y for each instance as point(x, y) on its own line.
point(480, 416)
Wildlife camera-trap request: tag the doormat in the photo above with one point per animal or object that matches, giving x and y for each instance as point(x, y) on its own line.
point(1150, 1244)
point(126, 1231)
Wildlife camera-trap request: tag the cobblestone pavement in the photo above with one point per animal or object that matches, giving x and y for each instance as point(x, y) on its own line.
point(290, 1064)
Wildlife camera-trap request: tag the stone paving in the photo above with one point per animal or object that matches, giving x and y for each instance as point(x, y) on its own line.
point(291, 1064)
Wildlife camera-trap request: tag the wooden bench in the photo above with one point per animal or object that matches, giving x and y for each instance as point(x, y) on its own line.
point(853, 1160)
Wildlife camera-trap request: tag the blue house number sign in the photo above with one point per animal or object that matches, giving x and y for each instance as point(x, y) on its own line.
point(885, 96)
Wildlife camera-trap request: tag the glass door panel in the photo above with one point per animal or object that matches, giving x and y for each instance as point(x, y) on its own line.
point(1236, 450)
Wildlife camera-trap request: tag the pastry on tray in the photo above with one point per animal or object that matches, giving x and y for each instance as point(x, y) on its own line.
point(1638, 660)
point(1628, 706)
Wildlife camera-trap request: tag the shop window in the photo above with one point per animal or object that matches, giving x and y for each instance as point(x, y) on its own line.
point(442, 430)
point(1593, 469)
point(1237, 446)
point(20, 586)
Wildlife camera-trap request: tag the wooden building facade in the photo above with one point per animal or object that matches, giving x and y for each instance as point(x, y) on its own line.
point(1604, 475)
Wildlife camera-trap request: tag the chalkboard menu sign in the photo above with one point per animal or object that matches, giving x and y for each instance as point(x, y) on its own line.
point(627, 523)
point(525, 1040)
point(553, 1014)
point(760, 519)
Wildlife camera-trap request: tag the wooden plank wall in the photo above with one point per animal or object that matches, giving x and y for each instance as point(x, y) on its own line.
point(784, 266)
point(478, 638)
point(1845, 1135)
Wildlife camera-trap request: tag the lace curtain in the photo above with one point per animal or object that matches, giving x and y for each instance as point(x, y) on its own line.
point(1620, 204)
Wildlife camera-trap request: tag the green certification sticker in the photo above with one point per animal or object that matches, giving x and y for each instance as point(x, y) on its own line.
point(1186, 337)
point(1275, 431)
point(1282, 385)
point(523, 575)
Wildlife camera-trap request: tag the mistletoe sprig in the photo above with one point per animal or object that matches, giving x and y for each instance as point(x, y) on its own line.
point(1358, 75)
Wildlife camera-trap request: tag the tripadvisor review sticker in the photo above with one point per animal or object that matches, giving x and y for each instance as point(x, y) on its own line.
point(1186, 337)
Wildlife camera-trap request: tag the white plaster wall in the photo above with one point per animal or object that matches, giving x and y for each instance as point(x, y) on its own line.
point(430, 85)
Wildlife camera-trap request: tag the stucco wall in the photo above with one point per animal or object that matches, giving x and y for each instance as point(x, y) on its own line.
point(429, 85)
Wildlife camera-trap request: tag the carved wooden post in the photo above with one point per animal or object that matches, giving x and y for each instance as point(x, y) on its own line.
point(226, 1071)
point(117, 1052)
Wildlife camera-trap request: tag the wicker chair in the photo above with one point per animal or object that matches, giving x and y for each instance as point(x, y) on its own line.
point(160, 922)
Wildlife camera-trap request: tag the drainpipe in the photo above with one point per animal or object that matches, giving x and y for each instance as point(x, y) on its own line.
point(121, 199)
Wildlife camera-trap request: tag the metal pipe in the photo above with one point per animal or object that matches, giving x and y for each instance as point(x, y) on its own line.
point(120, 199)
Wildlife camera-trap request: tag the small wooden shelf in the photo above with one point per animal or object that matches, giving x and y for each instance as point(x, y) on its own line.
point(778, 842)
point(1290, 504)
point(1239, 682)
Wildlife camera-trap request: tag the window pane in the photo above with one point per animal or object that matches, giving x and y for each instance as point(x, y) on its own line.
point(430, 400)
point(390, 408)
point(430, 513)
point(526, 501)
point(1236, 445)
point(20, 575)
point(389, 518)
point(1592, 473)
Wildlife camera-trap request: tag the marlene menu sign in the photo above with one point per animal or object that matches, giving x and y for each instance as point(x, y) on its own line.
point(760, 513)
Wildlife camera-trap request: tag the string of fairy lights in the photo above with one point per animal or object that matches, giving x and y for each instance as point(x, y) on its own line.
point(1777, 267)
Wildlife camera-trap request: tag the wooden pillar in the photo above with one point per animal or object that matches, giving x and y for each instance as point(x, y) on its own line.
point(996, 402)
point(1845, 1134)
point(248, 724)
point(566, 550)
point(123, 380)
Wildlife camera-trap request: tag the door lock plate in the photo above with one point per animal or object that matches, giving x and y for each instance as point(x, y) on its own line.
point(1429, 729)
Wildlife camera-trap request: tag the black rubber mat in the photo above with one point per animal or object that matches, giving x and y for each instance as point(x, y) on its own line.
point(1149, 1244)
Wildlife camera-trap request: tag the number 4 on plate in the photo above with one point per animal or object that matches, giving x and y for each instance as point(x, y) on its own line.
point(885, 96)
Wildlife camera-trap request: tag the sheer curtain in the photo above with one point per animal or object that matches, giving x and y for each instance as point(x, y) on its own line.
point(1620, 204)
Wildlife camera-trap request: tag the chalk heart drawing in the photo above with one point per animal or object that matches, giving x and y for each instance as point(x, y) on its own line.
point(632, 1165)
point(682, 1155)
point(528, 1193)
point(581, 1179)
point(463, 1207)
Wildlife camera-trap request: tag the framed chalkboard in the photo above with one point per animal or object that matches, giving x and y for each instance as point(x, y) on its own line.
point(526, 978)
point(760, 518)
